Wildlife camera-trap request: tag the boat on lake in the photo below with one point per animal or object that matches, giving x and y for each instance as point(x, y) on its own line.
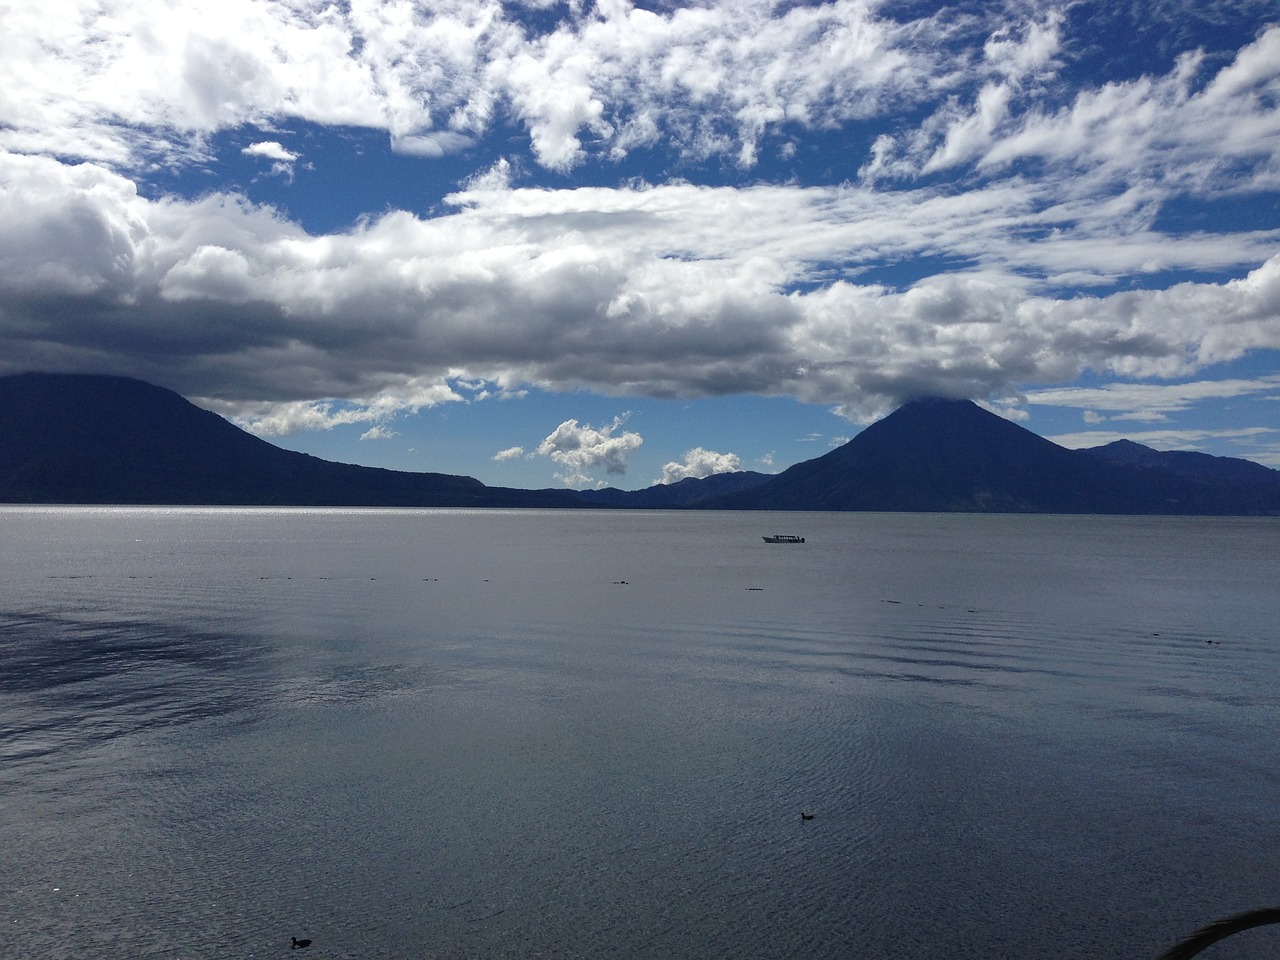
point(784, 538)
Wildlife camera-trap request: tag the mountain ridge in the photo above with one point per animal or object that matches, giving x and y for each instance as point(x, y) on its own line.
point(690, 492)
point(79, 438)
point(942, 455)
point(1187, 463)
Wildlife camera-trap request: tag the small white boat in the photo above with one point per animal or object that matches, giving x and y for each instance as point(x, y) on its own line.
point(784, 538)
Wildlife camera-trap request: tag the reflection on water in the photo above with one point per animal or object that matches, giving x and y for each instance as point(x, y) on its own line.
point(69, 686)
point(486, 734)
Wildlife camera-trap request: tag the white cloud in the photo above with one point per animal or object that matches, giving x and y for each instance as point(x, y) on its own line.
point(580, 448)
point(137, 78)
point(700, 463)
point(711, 79)
point(657, 290)
point(127, 82)
point(1016, 62)
point(1004, 408)
point(1176, 130)
point(282, 418)
point(434, 144)
point(282, 160)
point(1148, 401)
point(271, 149)
point(143, 78)
point(665, 290)
point(511, 453)
point(286, 418)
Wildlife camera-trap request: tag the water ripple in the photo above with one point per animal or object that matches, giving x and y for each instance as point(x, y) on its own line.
point(70, 683)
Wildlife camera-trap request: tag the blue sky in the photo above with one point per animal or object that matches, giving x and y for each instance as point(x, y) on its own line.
point(550, 243)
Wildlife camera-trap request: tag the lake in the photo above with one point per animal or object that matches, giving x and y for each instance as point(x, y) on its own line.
point(457, 734)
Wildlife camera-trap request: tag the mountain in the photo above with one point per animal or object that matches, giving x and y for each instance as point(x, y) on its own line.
point(71, 438)
point(1188, 463)
point(953, 456)
point(689, 492)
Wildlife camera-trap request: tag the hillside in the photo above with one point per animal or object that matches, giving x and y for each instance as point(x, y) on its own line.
point(689, 492)
point(1188, 463)
point(92, 439)
point(953, 456)
point(68, 438)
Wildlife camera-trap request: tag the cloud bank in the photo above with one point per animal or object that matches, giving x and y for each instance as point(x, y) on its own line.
point(1009, 229)
point(671, 290)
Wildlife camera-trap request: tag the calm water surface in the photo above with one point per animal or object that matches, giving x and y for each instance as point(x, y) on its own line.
point(590, 734)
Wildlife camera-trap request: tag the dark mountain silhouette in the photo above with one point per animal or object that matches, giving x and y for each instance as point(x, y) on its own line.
point(67, 438)
point(689, 492)
point(1188, 463)
point(90, 439)
point(953, 456)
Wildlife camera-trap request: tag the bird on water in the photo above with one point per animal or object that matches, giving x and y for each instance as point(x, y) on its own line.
point(299, 944)
point(1213, 932)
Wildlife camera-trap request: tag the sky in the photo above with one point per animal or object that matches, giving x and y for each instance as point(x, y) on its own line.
point(582, 243)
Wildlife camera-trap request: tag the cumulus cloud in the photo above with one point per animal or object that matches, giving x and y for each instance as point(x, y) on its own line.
point(130, 83)
point(582, 448)
point(145, 78)
point(1045, 256)
point(654, 289)
point(662, 290)
point(282, 160)
point(712, 79)
point(511, 453)
point(699, 463)
point(271, 149)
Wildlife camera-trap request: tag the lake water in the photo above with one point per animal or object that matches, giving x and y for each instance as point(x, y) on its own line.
point(450, 733)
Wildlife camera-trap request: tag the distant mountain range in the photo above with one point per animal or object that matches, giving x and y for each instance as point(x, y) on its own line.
point(68, 438)
point(690, 492)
